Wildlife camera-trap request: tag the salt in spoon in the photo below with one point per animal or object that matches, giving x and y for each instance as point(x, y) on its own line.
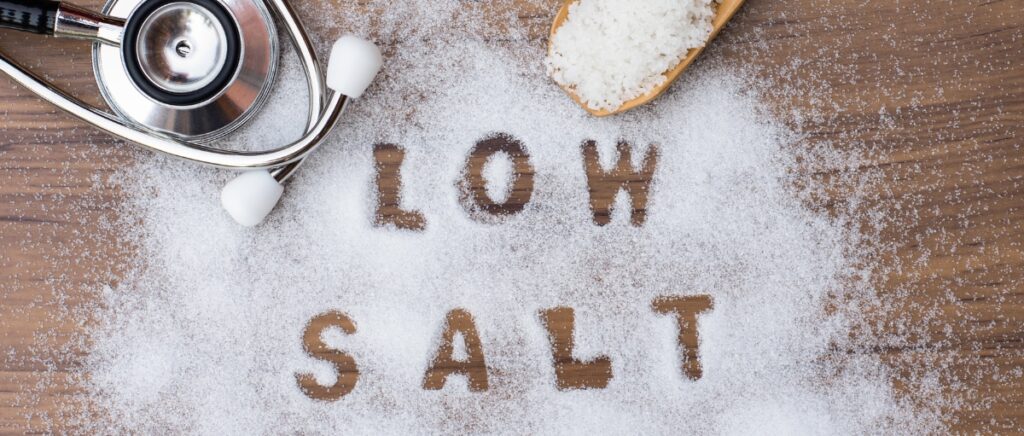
point(724, 11)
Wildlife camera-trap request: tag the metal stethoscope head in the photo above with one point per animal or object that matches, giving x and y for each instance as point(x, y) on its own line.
point(180, 73)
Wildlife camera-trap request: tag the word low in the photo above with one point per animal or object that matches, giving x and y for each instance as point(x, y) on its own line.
point(604, 184)
point(570, 372)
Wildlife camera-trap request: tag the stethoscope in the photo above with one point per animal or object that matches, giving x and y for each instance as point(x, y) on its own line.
point(180, 73)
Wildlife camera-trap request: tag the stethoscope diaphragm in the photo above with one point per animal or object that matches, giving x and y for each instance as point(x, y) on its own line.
point(181, 53)
point(192, 69)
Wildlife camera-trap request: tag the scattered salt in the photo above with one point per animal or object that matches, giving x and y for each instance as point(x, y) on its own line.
point(204, 335)
point(498, 173)
point(612, 51)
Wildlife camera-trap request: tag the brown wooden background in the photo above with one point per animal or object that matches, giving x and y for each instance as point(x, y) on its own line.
point(931, 91)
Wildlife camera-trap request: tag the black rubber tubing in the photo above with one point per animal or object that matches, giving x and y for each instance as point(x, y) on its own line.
point(35, 16)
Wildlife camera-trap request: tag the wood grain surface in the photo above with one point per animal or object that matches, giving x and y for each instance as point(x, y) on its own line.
point(930, 92)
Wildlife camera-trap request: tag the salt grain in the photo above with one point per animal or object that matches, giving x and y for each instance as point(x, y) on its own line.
point(204, 335)
point(612, 51)
point(498, 173)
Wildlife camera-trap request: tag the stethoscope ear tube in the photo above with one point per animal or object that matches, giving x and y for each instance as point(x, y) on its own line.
point(56, 18)
point(310, 65)
point(228, 159)
point(36, 16)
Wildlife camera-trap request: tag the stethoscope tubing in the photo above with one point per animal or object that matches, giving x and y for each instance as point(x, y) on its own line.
point(310, 65)
point(283, 161)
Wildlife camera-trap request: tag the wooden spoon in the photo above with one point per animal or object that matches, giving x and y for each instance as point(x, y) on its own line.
point(724, 11)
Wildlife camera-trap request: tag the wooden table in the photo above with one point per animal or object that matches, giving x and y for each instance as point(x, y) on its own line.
point(932, 93)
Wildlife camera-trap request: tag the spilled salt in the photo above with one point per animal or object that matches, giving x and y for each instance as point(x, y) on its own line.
point(498, 173)
point(610, 51)
point(459, 352)
point(204, 334)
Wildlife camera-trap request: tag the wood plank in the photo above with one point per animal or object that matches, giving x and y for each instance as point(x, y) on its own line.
point(931, 93)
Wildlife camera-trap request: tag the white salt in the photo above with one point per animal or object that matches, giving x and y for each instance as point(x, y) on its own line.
point(459, 352)
point(498, 173)
point(204, 335)
point(612, 51)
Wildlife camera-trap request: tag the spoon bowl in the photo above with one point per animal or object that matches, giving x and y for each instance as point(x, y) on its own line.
point(723, 12)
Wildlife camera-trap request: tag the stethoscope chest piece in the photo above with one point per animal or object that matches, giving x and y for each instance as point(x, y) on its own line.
point(191, 69)
point(180, 73)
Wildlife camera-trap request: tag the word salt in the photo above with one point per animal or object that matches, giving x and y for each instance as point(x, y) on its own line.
point(570, 372)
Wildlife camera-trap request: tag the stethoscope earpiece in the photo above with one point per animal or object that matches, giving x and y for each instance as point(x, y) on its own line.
point(353, 64)
point(251, 196)
point(172, 89)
